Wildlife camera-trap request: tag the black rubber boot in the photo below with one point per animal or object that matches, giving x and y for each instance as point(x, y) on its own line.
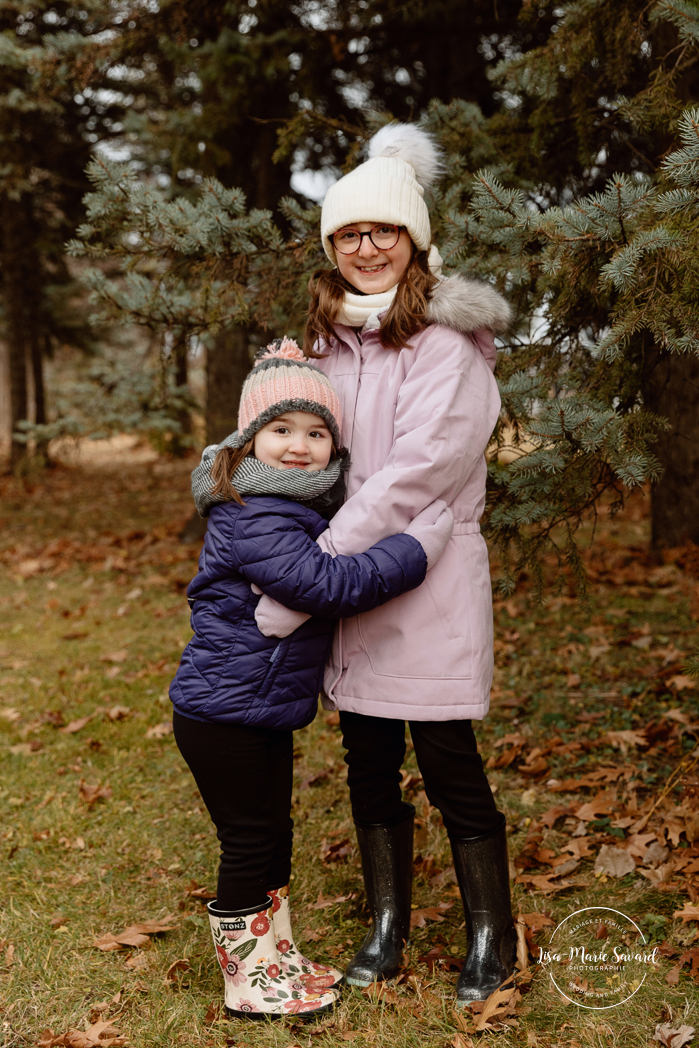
point(482, 871)
point(387, 864)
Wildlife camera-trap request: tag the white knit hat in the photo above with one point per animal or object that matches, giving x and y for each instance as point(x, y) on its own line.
point(388, 187)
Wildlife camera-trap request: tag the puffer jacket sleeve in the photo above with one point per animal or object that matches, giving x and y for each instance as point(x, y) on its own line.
point(446, 411)
point(277, 554)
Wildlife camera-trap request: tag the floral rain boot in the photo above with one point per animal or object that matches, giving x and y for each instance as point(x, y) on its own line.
point(258, 983)
point(315, 976)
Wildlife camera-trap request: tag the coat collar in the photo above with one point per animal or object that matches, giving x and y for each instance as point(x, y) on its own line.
point(468, 305)
point(462, 304)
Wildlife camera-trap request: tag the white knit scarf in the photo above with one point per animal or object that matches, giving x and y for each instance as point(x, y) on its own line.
point(363, 311)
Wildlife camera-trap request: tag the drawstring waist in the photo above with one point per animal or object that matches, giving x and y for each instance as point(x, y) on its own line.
point(467, 528)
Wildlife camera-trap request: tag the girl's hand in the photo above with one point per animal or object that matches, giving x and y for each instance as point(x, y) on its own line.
point(274, 620)
point(432, 528)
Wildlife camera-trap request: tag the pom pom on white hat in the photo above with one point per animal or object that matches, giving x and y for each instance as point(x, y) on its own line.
point(403, 162)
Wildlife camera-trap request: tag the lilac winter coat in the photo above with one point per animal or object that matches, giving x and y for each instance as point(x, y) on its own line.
point(417, 423)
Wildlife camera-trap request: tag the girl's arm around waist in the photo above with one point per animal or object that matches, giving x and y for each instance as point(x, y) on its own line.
point(276, 553)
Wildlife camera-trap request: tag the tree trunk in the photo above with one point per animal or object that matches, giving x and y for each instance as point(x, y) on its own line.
point(38, 373)
point(671, 389)
point(227, 364)
point(179, 353)
point(42, 446)
point(14, 290)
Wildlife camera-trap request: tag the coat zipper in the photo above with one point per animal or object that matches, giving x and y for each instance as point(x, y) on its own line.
point(339, 628)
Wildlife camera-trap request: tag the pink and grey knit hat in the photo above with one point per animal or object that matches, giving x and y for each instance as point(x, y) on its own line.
point(283, 379)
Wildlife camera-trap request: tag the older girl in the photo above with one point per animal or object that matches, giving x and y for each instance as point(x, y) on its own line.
point(412, 357)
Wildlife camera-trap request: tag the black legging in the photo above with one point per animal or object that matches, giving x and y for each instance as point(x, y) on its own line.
point(448, 759)
point(245, 777)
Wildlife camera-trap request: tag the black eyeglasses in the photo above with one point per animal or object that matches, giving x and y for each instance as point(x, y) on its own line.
point(348, 241)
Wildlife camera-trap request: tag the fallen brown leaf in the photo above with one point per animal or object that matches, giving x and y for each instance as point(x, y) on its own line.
point(522, 948)
point(536, 921)
point(672, 1038)
point(601, 804)
point(580, 847)
point(26, 749)
point(438, 956)
point(550, 817)
point(115, 656)
point(76, 725)
point(90, 793)
point(117, 713)
point(419, 918)
point(381, 992)
point(134, 935)
point(688, 912)
point(204, 894)
point(544, 882)
point(313, 779)
point(100, 1035)
point(660, 875)
point(616, 862)
point(679, 683)
point(496, 1004)
point(335, 852)
point(461, 1040)
point(212, 1013)
point(176, 967)
point(321, 903)
point(159, 731)
point(623, 739)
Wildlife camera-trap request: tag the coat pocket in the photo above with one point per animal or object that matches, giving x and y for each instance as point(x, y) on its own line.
point(276, 659)
point(439, 631)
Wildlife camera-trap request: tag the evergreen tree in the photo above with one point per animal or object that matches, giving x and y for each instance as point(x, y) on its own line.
point(600, 266)
point(216, 82)
point(584, 237)
point(47, 131)
point(572, 404)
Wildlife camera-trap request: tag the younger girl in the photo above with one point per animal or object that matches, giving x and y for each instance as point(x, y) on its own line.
point(237, 694)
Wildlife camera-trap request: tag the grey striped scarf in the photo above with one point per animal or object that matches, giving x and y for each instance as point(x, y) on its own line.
point(319, 489)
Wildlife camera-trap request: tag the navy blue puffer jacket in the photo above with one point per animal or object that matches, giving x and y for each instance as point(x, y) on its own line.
point(229, 671)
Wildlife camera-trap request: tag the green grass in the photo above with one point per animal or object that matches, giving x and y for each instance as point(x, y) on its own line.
point(78, 639)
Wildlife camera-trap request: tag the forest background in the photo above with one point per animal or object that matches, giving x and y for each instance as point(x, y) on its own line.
point(160, 167)
point(571, 150)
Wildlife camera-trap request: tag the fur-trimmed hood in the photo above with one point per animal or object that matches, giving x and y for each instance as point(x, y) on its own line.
point(468, 305)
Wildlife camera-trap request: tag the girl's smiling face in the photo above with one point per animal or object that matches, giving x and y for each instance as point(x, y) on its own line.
point(371, 270)
point(294, 440)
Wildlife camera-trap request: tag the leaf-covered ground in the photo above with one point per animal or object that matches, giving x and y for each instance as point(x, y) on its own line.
point(105, 845)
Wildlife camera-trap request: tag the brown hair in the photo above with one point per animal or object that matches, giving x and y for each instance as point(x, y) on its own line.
point(406, 316)
point(225, 464)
